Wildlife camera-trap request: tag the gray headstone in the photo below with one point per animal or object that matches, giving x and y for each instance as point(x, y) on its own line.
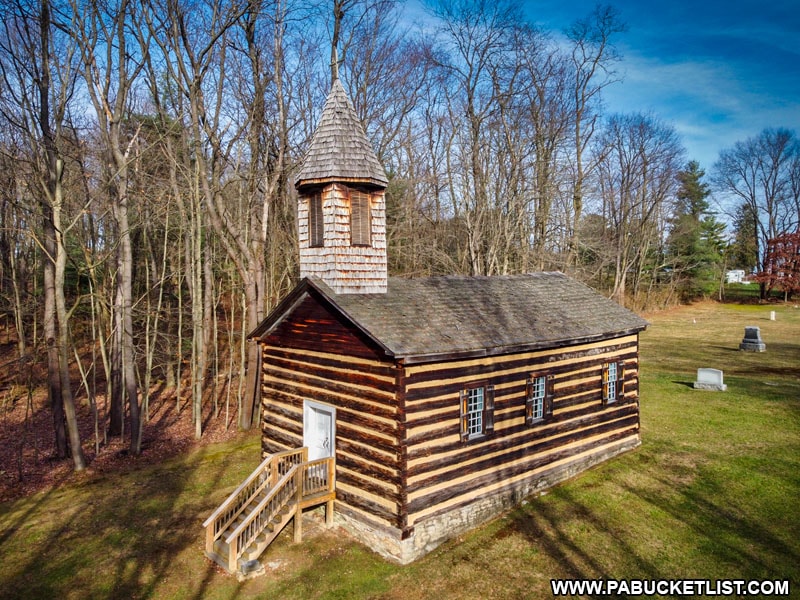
point(752, 340)
point(710, 379)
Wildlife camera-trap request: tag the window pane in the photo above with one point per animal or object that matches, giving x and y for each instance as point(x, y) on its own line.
point(538, 387)
point(475, 411)
point(611, 382)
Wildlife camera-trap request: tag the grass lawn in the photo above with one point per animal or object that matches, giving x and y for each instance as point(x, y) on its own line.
point(712, 493)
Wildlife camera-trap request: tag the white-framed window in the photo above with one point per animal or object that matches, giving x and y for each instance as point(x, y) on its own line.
point(612, 382)
point(536, 395)
point(474, 411)
point(477, 411)
point(539, 398)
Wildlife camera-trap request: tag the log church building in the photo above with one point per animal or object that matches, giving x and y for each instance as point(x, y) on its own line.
point(441, 401)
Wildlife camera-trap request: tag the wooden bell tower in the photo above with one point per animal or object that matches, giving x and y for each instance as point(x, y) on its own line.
point(342, 208)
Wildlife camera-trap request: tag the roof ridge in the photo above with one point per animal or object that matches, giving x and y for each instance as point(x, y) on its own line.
point(463, 276)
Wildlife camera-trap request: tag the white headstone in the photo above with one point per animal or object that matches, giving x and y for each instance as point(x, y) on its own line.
point(709, 379)
point(772, 315)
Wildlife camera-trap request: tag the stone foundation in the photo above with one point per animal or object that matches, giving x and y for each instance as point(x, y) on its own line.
point(434, 530)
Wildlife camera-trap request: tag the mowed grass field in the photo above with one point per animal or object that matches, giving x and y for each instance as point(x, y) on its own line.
point(712, 493)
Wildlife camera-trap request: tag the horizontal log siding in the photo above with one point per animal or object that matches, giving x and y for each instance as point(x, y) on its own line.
point(362, 390)
point(442, 472)
point(311, 327)
point(505, 480)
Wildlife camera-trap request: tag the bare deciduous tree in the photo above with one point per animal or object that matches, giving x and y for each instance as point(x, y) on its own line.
point(38, 69)
point(594, 57)
point(110, 64)
point(762, 174)
point(639, 160)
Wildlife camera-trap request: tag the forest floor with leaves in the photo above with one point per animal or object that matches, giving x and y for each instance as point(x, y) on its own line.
point(28, 461)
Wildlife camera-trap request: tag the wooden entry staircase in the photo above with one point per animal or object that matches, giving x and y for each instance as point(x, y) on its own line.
point(258, 510)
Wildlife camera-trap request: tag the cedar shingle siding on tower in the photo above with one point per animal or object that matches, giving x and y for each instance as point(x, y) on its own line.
point(341, 212)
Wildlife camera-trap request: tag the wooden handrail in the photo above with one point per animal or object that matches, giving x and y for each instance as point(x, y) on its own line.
point(265, 475)
point(287, 478)
point(235, 494)
point(300, 480)
point(317, 476)
point(266, 510)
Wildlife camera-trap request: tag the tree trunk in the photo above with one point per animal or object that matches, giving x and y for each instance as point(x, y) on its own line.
point(115, 387)
point(124, 307)
point(49, 330)
point(19, 322)
point(63, 329)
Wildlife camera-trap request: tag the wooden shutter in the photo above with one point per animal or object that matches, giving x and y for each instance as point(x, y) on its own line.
point(529, 400)
point(548, 396)
point(316, 221)
point(620, 380)
point(488, 409)
point(464, 419)
point(360, 222)
point(605, 384)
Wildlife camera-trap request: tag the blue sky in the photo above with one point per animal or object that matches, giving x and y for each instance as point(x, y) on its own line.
point(718, 71)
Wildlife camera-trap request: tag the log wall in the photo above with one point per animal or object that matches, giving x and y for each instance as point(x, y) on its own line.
point(367, 431)
point(443, 473)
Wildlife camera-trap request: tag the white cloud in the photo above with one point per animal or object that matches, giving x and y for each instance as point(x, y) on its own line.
point(712, 104)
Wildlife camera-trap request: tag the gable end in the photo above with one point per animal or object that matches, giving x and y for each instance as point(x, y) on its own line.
point(307, 321)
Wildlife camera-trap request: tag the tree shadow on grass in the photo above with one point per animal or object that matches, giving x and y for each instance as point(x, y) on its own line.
point(729, 536)
point(779, 360)
point(547, 525)
point(133, 535)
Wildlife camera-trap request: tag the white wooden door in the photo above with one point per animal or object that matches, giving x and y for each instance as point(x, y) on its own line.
point(319, 429)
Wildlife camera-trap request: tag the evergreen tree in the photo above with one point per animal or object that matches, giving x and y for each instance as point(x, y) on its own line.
point(696, 243)
point(744, 248)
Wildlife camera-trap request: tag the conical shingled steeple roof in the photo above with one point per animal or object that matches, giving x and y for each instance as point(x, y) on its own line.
point(340, 150)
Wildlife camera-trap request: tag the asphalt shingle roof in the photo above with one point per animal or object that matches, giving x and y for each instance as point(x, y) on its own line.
point(473, 316)
point(339, 149)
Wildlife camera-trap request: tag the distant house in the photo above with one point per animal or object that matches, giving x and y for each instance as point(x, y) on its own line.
point(735, 276)
point(442, 401)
